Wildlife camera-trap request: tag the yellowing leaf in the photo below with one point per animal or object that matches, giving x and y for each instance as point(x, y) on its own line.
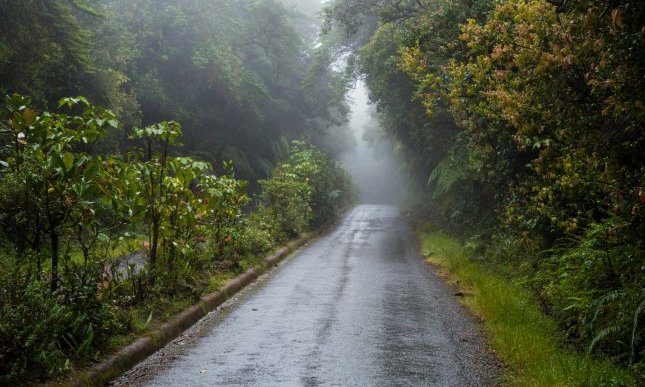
point(29, 116)
point(68, 161)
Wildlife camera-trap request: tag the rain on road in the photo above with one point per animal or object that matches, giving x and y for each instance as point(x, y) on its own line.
point(358, 307)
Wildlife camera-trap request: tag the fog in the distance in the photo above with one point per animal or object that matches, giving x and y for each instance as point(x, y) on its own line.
point(375, 171)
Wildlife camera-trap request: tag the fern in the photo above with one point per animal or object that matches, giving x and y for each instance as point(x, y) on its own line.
point(614, 329)
point(604, 300)
point(451, 170)
point(626, 327)
point(82, 5)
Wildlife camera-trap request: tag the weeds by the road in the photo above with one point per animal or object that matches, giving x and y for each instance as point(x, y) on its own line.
point(525, 339)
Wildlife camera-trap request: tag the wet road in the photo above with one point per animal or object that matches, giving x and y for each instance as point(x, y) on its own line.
point(355, 308)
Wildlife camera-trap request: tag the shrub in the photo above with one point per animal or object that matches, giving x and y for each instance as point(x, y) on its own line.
point(31, 319)
point(594, 288)
point(90, 315)
point(254, 237)
point(308, 189)
point(287, 199)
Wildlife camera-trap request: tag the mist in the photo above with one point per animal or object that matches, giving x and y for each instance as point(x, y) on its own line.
point(371, 163)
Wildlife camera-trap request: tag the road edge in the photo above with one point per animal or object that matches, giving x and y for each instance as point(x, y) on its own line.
point(134, 353)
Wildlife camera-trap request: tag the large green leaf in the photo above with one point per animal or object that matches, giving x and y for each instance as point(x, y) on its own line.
point(92, 171)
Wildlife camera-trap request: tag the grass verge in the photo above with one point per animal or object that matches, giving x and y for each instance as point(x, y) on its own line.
point(524, 338)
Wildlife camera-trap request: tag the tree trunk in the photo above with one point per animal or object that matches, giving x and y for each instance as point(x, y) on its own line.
point(54, 280)
point(154, 243)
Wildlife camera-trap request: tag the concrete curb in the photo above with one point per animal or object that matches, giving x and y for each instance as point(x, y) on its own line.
point(131, 355)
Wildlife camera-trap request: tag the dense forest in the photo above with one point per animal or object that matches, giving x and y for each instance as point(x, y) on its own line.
point(236, 75)
point(523, 123)
point(150, 151)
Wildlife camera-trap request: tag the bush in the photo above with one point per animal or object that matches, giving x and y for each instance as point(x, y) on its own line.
point(31, 319)
point(91, 316)
point(308, 189)
point(286, 199)
point(41, 330)
point(594, 288)
point(255, 237)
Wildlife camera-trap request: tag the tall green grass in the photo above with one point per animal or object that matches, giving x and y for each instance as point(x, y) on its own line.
point(524, 338)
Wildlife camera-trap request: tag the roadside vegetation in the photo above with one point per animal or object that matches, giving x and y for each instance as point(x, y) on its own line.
point(114, 217)
point(527, 340)
point(59, 200)
point(521, 124)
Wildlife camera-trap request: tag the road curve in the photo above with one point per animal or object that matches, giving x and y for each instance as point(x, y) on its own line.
point(356, 308)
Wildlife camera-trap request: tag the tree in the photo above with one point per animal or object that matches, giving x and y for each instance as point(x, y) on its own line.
point(47, 159)
point(58, 47)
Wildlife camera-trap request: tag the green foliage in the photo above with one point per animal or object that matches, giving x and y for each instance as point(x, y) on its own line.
point(53, 201)
point(57, 179)
point(58, 48)
point(60, 200)
point(31, 320)
point(530, 138)
point(156, 181)
point(75, 181)
point(40, 330)
point(306, 190)
point(286, 199)
point(222, 206)
point(182, 204)
point(91, 316)
point(231, 73)
point(522, 335)
point(449, 172)
point(255, 237)
point(594, 289)
point(57, 197)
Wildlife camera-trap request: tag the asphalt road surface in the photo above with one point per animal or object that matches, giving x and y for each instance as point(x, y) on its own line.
point(357, 307)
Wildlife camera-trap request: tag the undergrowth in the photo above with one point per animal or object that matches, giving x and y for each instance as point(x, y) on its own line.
point(525, 338)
